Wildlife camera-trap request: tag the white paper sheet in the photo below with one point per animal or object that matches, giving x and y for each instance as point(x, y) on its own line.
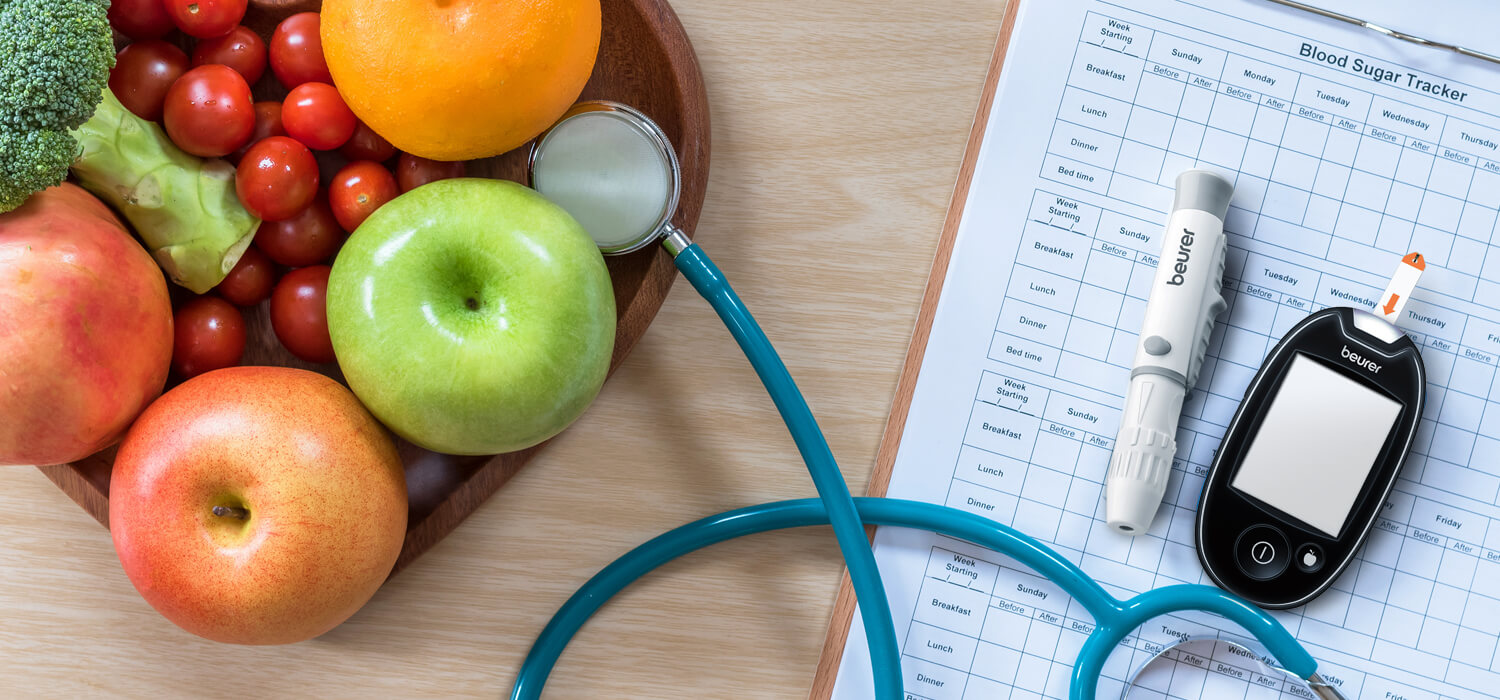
point(1347, 150)
point(1467, 23)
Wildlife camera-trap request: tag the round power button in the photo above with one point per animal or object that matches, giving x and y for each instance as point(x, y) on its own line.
point(1262, 552)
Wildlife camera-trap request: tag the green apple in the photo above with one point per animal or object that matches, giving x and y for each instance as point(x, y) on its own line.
point(472, 316)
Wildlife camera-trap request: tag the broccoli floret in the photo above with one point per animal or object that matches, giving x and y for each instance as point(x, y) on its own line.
point(57, 114)
point(31, 162)
point(55, 57)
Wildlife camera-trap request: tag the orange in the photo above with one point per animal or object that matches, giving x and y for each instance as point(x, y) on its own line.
point(460, 79)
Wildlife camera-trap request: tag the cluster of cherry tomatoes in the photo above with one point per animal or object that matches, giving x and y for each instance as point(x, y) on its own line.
point(204, 103)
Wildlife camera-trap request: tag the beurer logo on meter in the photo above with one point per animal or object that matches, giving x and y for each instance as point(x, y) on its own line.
point(1354, 357)
point(1184, 252)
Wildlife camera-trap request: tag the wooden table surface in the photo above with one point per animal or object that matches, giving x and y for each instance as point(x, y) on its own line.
point(838, 128)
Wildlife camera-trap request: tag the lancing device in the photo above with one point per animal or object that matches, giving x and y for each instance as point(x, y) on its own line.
point(1185, 299)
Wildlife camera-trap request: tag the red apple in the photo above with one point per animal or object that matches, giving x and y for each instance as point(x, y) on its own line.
point(257, 505)
point(85, 328)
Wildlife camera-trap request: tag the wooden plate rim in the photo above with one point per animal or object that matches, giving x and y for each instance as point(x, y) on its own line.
point(693, 154)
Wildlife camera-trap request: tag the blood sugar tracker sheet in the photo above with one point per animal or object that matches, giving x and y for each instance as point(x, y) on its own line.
point(1347, 150)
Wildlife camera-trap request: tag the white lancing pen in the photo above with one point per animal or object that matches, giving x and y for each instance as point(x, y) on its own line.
point(1186, 296)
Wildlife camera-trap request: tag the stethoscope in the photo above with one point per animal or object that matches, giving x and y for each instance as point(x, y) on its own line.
point(615, 170)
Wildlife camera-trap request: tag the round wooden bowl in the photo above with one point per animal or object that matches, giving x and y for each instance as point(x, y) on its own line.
point(645, 60)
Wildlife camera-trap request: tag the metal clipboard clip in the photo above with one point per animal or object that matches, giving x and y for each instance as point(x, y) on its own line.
point(1388, 32)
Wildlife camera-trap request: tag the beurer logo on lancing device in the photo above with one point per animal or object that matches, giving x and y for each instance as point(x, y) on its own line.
point(1364, 362)
point(1184, 251)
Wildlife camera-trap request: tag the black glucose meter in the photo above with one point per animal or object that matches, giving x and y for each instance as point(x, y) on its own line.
point(1310, 457)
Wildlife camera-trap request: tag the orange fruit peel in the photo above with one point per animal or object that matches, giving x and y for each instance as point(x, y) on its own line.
point(460, 79)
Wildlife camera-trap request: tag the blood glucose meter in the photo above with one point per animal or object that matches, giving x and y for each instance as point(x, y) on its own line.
point(1310, 457)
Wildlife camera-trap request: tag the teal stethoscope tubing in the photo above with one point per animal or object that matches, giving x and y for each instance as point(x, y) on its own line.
point(853, 542)
point(1114, 619)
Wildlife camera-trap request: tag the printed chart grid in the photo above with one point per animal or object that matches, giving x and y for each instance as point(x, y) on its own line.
point(1425, 588)
point(1079, 285)
point(1324, 173)
point(1319, 167)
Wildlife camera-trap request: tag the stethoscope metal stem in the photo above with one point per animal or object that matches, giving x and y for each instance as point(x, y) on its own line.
point(674, 240)
point(1114, 619)
point(1323, 688)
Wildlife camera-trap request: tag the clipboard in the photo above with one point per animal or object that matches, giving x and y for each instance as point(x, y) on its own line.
point(890, 440)
point(885, 458)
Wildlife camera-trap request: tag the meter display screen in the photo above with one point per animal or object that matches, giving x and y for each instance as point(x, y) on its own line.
point(1317, 444)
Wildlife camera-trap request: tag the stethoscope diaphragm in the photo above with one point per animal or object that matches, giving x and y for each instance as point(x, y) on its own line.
point(614, 170)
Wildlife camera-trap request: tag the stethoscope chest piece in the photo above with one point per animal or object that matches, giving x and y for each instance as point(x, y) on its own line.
point(614, 170)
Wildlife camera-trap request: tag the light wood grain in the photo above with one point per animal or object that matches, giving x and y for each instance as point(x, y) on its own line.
point(645, 60)
point(906, 386)
point(838, 129)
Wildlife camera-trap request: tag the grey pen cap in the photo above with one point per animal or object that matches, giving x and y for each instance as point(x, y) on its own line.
point(1204, 190)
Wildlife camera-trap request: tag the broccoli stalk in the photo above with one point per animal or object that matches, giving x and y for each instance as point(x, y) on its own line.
point(55, 57)
point(184, 208)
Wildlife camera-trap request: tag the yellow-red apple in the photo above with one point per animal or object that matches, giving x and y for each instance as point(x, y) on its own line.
point(257, 505)
point(85, 328)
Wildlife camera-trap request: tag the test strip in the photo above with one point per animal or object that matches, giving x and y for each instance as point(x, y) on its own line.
point(1403, 282)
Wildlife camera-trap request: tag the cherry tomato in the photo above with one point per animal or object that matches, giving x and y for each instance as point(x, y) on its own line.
point(299, 313)
point(250, 282)
point(143, 73)
point(358, 190)
point(414, 171)
point(240, 49)
point(206, 18)
point(314, 114)
point(277, 179)
point(365, 144)
point(297, 51)
point(310, 237)
point(267, 124)
point(140, 19)
point(209, 111)
point(207, 334)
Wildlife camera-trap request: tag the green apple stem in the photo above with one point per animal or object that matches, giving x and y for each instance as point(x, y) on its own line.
point(231, 512)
